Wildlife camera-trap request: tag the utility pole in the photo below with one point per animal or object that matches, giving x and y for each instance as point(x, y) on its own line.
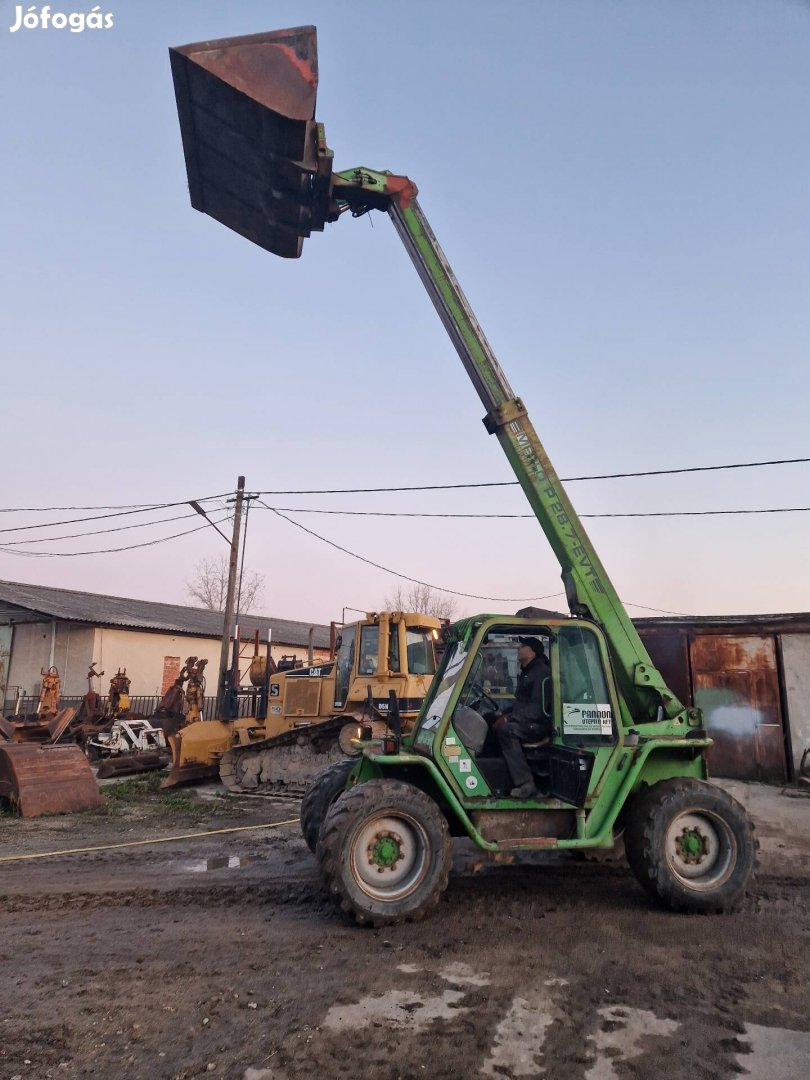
point(231, 594)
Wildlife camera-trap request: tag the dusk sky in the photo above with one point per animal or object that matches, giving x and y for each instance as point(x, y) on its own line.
point(622, 190)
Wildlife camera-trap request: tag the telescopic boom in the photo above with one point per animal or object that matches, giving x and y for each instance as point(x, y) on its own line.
point(258, 162)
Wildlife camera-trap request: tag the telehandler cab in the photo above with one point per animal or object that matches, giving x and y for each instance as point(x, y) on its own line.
point(626, 757)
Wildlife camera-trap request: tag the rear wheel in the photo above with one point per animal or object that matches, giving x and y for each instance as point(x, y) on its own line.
point(690, 845)
point(320, 795)
point(385, 852)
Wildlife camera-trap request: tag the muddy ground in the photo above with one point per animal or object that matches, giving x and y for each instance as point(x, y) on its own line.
point(220, 956)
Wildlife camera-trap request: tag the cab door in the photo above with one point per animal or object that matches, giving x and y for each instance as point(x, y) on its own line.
point(345, 666)
point(585, 708)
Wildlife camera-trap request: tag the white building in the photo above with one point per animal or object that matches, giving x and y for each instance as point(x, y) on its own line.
point(42, 627)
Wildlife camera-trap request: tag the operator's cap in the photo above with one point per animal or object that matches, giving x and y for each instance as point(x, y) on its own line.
point(535, 644)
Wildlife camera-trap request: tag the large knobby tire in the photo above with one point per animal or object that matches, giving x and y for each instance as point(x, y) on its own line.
point(690, 845)
point(320, 795)
point(385, 852)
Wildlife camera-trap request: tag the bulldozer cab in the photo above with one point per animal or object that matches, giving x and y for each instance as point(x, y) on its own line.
point(477, 681)
point(389, 650)
point(386, 650)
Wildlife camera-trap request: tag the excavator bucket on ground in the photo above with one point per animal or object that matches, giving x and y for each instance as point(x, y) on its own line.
point(41, 779)
point(255, 158)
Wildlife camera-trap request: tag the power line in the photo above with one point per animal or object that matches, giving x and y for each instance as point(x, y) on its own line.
point(564, 479)
point(533, 517)
point(438, 588)
point(105, 551)
point(664, 611)
point(135, 507)
point(406, 577)
point(140, 508)
point(96, 532)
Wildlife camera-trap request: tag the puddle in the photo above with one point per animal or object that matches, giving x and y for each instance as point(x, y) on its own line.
point(623, 1036)
point(463, 975)
point(518, 1046)
point(457, 974)
point(220, 862)
point(396, 1008)
point(775, 1054)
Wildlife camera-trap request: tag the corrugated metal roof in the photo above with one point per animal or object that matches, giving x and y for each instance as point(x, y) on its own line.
point(777, 623)
point(101, 610)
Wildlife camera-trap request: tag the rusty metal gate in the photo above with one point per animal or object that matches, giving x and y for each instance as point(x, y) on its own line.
point(735, 681)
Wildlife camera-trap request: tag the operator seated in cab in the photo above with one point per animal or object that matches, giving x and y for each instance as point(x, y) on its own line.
point(524, 721)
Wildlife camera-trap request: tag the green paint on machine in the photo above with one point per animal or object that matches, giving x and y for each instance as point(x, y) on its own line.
point(621, 753)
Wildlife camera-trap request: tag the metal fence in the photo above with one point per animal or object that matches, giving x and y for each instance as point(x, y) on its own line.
point(141, 704)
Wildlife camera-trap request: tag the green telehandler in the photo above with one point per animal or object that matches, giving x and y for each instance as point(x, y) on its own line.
point(625, 762)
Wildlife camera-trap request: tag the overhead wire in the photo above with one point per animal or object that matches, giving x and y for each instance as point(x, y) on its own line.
point(102, 517)
point(533, 517)
point(96, 532)
point(439, 588)
point(136, 507)
point(405, 577)
point(663, 611)
point(105, 551)
point(122, 510)
point(564, 479)
point(119, 506)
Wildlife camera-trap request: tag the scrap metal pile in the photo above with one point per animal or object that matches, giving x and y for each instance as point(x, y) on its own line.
point(46, 755)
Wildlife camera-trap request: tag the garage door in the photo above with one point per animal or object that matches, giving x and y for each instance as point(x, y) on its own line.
point(735, 683)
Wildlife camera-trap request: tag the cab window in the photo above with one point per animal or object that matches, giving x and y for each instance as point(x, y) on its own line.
point(393, 648)
point(369, 650)
point(421, 658)
point(345, 662)
point(587, 713)
point(494, 674)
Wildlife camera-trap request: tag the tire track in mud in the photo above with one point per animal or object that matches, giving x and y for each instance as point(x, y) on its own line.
point(298, 890)
point(551, 893)
point(244, 974)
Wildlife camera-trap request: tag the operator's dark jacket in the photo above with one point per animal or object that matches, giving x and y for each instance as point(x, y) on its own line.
point(528, 705)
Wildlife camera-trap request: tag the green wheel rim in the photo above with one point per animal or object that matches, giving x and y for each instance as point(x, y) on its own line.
point(701, 849)
point(389, 855)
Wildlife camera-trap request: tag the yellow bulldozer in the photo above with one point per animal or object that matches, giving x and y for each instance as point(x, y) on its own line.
point(316, 714)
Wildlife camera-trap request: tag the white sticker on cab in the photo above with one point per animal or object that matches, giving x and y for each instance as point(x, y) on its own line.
point(587, 719)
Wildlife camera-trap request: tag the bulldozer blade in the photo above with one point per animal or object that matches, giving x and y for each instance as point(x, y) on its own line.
point(129, 764)
point(254, 155)
point(39, 779)
point(189, 774)
point(196, 751)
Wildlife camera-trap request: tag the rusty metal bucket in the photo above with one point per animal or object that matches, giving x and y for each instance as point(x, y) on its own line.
point(255, 157)
point(39, 779)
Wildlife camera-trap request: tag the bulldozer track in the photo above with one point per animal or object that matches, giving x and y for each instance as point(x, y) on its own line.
point(283, 764)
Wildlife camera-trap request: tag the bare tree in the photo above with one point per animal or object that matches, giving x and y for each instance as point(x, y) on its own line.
point(209, 585)
point(420, 598)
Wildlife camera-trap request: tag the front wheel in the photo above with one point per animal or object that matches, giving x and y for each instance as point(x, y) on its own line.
point(690, 845)
point(385, 852)
point(320, 795)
